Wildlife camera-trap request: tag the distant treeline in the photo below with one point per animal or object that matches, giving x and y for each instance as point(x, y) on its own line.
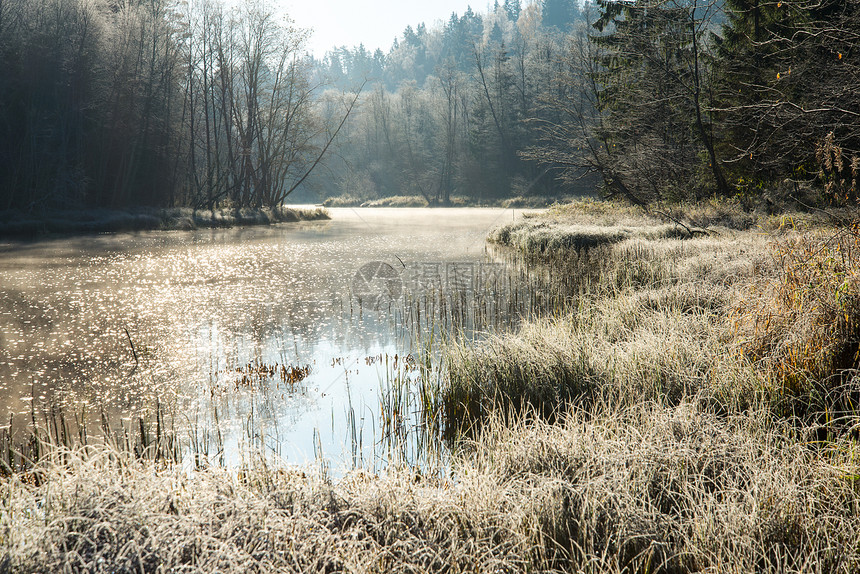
point(650, 99)
point(162, 103)
point(450, 110)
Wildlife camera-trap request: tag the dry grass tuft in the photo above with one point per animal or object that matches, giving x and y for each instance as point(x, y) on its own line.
point(546, 238)
point(802, 326)
point(650, 323)
point(649, 488)
point(102, 512)
point(642, 488)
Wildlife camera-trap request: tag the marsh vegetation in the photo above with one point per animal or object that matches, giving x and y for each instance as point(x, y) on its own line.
point(683, 402)
point(667, 384)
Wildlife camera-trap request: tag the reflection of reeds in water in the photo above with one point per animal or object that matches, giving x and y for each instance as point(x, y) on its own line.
point(490, 302)
point(254, 374)
point(409, 423)
point(55, 431)
point(195, 439)
point(412, 429)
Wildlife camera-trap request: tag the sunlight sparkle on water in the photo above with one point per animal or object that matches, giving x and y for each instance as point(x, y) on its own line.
point(195, 306)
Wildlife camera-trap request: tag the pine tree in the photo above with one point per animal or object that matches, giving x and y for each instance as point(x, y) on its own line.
point(559, 13)
point(788, 80)
point(653, 80)
point(512, 8)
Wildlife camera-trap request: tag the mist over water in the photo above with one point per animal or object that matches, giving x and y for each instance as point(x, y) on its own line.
point(252, 336)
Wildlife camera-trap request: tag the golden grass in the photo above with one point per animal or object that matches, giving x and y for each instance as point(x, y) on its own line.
point(801, 326)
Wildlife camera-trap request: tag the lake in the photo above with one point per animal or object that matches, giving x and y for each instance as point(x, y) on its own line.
point(310, 342)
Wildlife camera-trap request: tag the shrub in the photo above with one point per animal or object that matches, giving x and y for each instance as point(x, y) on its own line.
point(802, 327)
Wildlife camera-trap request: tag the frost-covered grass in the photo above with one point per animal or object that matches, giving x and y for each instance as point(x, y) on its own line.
point(651, 323)
point(693, 411)
point(546, 238)
point(637, 488)
point(768, 315)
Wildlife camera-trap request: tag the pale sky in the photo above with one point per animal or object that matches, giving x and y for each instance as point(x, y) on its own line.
point(373, 23)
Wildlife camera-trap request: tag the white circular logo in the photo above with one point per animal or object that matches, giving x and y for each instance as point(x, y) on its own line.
point(375, 284)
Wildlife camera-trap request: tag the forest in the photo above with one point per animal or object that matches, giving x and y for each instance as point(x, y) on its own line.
point(116, 103)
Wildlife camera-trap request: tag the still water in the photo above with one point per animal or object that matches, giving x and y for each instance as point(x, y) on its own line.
point(295, 339)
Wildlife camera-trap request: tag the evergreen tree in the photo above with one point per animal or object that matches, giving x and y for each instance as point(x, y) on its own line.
point(559, 13)
point(653, 79)
point(512, 8)
point(789, 86)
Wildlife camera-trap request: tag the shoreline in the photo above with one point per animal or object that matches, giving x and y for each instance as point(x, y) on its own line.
point(518, 202)
point(15, 224)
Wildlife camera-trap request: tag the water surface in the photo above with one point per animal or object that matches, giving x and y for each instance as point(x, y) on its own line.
point(220, 327)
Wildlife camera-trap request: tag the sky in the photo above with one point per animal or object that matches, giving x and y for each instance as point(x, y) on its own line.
point(374, 23)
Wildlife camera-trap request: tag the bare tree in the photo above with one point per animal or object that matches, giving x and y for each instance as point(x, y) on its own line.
point(451, 85)
point(575, 141)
